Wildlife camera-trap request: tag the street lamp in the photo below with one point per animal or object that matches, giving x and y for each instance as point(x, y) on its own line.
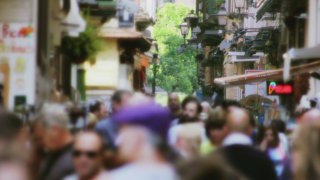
point(154, 69)
point(222, 18)
point(184, 30)
point(192, 19)
point(196, 30)
point(239, 4)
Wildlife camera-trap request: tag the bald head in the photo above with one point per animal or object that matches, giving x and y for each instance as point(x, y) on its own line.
point(238, 120)
point(87, 140)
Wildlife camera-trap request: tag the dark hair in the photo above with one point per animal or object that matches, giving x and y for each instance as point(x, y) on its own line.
point(192, 99)
point(117, 96)
point(227, 103)
point(262, 131)
point(214, 166)
point(279, 125)
point(252, 120)
point(95, 107)
point(216, 120)
point(10, 125)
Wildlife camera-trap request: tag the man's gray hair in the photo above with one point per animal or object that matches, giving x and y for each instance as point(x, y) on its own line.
point(53, 114)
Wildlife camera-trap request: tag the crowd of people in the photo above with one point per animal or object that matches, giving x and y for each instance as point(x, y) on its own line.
point(139, 139)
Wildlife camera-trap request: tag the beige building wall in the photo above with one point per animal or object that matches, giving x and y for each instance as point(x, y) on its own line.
point(17, 11)
point(104, 74)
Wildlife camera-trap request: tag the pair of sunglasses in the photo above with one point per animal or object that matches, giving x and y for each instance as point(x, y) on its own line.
point(89, 154)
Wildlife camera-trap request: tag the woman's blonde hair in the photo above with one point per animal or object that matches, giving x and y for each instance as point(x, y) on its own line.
point(307, 147)
point(192, 134)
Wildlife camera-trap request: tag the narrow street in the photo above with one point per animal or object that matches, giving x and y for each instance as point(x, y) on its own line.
point(159, 89)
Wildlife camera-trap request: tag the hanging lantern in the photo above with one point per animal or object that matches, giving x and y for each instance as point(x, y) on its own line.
point(73, 24)
point(184, 29)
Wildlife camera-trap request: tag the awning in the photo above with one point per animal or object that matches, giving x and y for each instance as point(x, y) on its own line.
point(107, 4)
point(268, 6)
point(212, 37)
point(127, 37)
point(245, 59)
point(142, 43)
point(212, 7)
point(267, 75)
point(120, 33)
point(299, 54)
point(104, 9)
point(304, 53)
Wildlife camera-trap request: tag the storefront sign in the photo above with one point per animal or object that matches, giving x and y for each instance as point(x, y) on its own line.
point(245, 59)
point(276, 88)
point(255, 88)
point(17, 62)
point(241, 53)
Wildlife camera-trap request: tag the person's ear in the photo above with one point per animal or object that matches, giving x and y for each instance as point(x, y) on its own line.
point(55, 130)
point(250, 129)
point(226, 129)
point(178, 142)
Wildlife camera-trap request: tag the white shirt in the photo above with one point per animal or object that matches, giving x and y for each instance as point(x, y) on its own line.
point(237, 138)
point(143, 171)
point(71, 177)
point(284, 142)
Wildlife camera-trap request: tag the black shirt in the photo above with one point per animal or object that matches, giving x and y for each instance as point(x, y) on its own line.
point(250, 161)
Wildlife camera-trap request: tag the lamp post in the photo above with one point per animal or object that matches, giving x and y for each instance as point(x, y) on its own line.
point(222, 20)
point(239, 4)
point(184, 30)
point(192, 19)
point(196, 30)
point(154, 69)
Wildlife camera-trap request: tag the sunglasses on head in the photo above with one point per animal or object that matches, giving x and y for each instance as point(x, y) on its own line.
point(89, 154)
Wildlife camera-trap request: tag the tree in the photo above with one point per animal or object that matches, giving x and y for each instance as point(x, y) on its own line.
point(175, 72)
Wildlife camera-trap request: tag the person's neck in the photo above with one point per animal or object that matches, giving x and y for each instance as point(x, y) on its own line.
point(217, 144)
point(237, 138)
point(148, 154)
point(91, 176)
point(65, 141)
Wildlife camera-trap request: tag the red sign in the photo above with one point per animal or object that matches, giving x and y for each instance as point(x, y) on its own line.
point(274, 88)
point(9, 32)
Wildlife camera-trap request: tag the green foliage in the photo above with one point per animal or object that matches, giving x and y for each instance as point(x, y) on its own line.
point(220, 2)
point(82, 48)
point(176, 72)
point(214, 6)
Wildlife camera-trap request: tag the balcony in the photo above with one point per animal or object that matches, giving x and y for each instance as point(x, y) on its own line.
point(268, 6)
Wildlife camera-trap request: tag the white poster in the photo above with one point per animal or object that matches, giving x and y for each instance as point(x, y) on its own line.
point(18, 50)
point(257, 87)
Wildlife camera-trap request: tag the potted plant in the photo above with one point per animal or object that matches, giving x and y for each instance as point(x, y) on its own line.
point(79, 49)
